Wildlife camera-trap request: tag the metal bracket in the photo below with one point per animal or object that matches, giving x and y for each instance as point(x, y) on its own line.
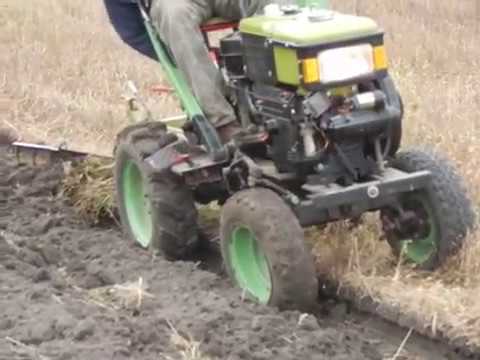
point(36, 154)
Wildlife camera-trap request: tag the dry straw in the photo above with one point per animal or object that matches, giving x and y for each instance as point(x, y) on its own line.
point(441, 303)
point(90, 187)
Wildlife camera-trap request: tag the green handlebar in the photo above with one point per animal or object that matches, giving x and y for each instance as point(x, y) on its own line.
point(205, 130)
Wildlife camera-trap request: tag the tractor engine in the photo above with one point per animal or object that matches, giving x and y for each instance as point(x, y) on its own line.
point(317, 82)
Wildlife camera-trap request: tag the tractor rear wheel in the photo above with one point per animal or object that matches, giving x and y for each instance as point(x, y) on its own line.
point(157, 210)
point(436, 220)
point(264, 251)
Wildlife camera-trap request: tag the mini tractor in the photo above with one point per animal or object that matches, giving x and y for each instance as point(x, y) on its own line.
point(322, 123)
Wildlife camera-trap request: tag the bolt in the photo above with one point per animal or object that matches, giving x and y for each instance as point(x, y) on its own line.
point(294, 200)
point(373, 192)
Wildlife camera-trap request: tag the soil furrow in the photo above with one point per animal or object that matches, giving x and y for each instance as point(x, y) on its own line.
point(71, 291)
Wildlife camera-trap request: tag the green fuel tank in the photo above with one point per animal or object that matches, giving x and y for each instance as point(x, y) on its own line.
point(309, 27)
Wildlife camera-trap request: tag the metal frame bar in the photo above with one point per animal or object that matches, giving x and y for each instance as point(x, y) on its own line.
point(327, 204)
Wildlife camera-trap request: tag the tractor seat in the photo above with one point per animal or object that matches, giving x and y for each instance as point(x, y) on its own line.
point(217, 23)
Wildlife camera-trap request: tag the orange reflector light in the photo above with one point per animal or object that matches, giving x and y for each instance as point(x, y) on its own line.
point(311, 72)
point(380, 58)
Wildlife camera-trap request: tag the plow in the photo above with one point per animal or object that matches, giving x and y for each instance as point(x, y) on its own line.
point(322, 142)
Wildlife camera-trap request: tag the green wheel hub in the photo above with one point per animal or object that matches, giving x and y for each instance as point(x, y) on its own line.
point(420, 249)
point(249, 263)
point(137, 205)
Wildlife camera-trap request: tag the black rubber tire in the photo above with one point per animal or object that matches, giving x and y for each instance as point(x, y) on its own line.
point(396, 131)
point(175, 233)
point(280, 236)
point(449, 199)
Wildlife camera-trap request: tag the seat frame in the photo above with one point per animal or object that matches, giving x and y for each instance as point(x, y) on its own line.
point(213, 25)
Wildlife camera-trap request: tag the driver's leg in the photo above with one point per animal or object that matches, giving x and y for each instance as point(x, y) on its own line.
point(178, 23)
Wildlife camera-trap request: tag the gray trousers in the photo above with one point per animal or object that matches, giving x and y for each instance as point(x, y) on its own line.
point(178, 23)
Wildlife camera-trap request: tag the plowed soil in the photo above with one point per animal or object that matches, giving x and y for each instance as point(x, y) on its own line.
point(71, 291)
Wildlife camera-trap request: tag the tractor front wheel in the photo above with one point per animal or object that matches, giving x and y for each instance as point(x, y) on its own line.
point(428, 226)
point(264, 251)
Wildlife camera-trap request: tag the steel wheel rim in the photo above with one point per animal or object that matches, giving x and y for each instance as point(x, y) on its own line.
point(249, 264)
point(137, 205)
point(421, 250)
